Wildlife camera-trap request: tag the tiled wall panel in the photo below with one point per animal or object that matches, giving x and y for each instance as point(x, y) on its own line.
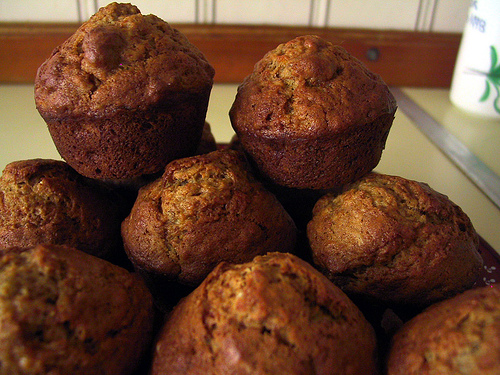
point(38, 11)
point(373, 14)
point(418, 15)
point(450, 15)
point(263, 12)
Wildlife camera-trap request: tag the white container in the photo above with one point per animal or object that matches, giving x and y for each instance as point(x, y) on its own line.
point(475, 86)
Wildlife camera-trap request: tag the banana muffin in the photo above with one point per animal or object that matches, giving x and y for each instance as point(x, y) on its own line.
point(394, 240)
point(203, 210)
point(458, 336)
point(47, 201)
point(273, 315)
point(63, 311)
point(124, 95)
point(311, 115)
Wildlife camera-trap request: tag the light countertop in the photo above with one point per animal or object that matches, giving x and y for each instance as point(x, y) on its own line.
point(409, 152)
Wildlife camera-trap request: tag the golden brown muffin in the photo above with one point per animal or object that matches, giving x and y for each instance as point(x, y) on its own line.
point(124, 95)
point(63, 311)
point(457, 336)
point(394, 240)
point(203, 210)
point(46, 201)
point(310, 115)
point(273, 315)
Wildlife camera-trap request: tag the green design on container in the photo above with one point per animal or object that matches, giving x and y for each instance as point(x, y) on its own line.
point(493, 79)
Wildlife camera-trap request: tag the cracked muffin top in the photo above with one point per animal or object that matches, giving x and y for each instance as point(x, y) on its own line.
point(47, 201)
point(119, 58)
point(396, 240)
point(457, 336)
point(203, 210)
point(273, 315)
point(309, 86)
point(63, 311)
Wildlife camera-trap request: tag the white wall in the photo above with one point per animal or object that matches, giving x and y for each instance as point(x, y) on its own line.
point(418, 15)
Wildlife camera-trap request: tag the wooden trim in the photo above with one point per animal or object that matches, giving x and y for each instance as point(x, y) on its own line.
point(402, 58)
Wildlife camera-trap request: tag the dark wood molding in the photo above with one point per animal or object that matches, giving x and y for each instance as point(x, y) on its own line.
point(402, 58)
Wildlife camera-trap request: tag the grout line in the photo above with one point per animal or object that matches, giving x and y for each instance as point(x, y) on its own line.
point(85, 9)
point(318, 13)
point(425, 15)
point(196, 11)
point(205, 11)
point(311, 10)
point(478, 172)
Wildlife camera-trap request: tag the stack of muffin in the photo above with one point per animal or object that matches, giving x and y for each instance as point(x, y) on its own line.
point(151, 250)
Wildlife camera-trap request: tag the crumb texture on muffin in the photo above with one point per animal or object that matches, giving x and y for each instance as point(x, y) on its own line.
point(117, 51)
point(273, 315)
point(203, 210)
point(457, 336)
point(47, 201)
point(312, 116)
point(396, 240)
point(310, 85)
point(63, 311)
point(124, 95)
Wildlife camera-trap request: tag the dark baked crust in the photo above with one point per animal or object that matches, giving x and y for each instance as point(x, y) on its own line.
point(395, 240)
point(63, 311)
point(46, 201)
point(310, 115)
point(274, 315)
point(203, 210)
point(457, 336)
point(124, 95)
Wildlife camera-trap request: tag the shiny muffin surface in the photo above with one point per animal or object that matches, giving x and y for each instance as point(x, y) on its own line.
point(273, 315)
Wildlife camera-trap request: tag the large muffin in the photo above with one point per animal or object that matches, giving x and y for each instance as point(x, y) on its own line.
point(46, 201)
point(457, 336)
point(394, 240)
point(63, 311)
point(203, 210)
point(124, 95)
point(274, 315)
point(310, 115)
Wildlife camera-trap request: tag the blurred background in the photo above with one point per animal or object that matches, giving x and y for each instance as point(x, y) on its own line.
point(415, 15)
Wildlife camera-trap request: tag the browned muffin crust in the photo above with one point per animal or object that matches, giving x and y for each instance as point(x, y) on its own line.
point(457, 336)
point(46, 201)
point(310, 115)
point(203, 210)
point(395, 240)
point(124, 95)
point(63, 311)
point(274, 315)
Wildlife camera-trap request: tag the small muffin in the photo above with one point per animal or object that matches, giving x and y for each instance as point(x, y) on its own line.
point(312, 116)
point(203, 210)
point(124, 95)
point(274, 315)
point(457, 336)
point(394, 240)
point(63, 311)
point(46, 201)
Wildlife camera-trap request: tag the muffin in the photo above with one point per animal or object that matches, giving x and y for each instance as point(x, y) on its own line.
point(312, 116)
point(46, 201)
point(273, 315)
point(457, 336)
point(203, 210)
point(124, 95)
point(394, 240)
point(63, 311)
